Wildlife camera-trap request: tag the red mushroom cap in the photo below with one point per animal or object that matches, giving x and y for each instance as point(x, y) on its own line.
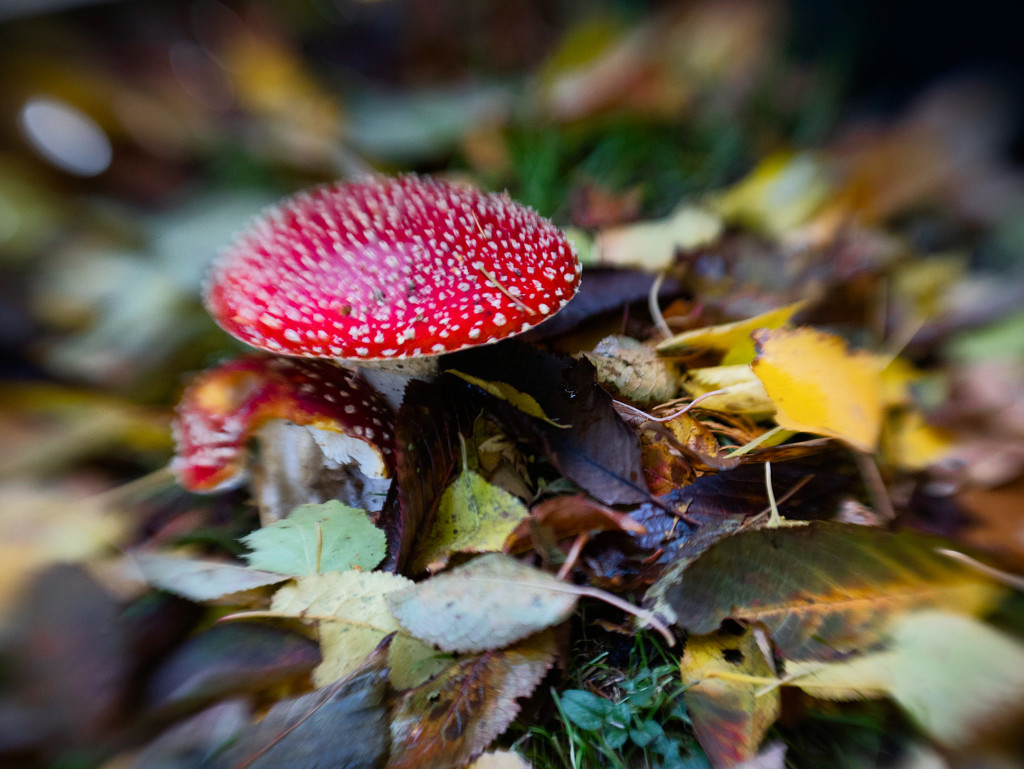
point(391, 268)
point(223, 407)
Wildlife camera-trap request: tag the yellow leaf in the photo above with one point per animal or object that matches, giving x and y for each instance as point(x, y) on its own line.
point(743, 392)
point(728, 337)
point(914, 444)
point(522, 401)
point(653, 245)
point(819, 386)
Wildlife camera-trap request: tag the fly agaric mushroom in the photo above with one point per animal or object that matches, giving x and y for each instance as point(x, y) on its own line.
point(382, 272)
point(320, 428)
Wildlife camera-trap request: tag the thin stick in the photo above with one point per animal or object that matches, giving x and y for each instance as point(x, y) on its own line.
point(573, 555)
point(748, 447)
point(876, 485)
point(655, 310)
point(670, 417)
point(775, 520)
point(1003, 577)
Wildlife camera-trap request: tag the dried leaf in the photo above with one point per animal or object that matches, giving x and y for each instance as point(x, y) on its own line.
point(230, 659)
point(428, 455)
point(566, 516)
point(820, 387)
point(315, 539)
point(597, 451)
point(451, 719)
point(306, 732)
point(743, 391)
point(729, 717)
point(488, 603)
point(353, 617)
point(954, 675)
point(633, 371)
point(474, 516)
point(200, 580)
point(823, 589)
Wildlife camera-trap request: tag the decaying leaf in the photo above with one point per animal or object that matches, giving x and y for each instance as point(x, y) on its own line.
point(567, 516)
point(353, 617)
point(488, 603)
point(728, 338)
point(954, 675)
point(303, 732)
point(228, 660)
point(199, 579)
point(474, 516)
point(316, 539)
point(730, 717)
point(823, 589)
point(818, 386)
point(633, 371)
point(449, 720)
point(742, 392)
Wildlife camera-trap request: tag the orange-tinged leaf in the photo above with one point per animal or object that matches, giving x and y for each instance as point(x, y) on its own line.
point(448, 721)
point(824, 589)
point(819, 386)
point(730, 717)
point(566, 516)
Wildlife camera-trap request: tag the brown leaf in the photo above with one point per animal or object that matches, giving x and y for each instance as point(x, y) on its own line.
point(451, 719)
point(566, 516)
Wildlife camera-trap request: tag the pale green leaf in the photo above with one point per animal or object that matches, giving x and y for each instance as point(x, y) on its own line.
point(954, 675)
point(316, 539)
point(353, 618)
point(200, 580)
point(474, 516)
point(488, 603)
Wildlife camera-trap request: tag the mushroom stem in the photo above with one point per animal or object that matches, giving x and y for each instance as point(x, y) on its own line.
point(390, 377)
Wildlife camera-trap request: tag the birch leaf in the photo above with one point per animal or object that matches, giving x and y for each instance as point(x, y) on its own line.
point(819, 386)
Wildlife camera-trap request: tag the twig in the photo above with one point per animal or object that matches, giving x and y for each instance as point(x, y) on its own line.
point(655, 310)
point(876, 485)
point(1003, 577)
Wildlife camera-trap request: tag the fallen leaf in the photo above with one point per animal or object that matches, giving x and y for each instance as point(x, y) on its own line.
point(500, 759)
point(200, 580)
point(742, 392)
point(823, 589)
point(303, 732)
point(913, 444)
point(566, 516)
point(730, 339)
point(730, 718)
point(820, 387)
point(315, 539)
point(954, 675)
point(189, 744)
point(598, 451)
point(654, 245)
point(632, 371)
point(352, 614)
point(506, 392)
point(228, 660)
point(488, 603)
point(451, 719)
point(473, 517)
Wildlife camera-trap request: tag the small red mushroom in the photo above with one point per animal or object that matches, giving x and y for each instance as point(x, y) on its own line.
point(226, 406)
point(391, 269)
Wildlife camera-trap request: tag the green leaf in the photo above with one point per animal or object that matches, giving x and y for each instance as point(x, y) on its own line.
point(646, 732)
point(823, 589)
point(473, 516)
point(316, 539)
point(353, 617)
point(488, 603)
point(954, 675)
point(585, 709)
